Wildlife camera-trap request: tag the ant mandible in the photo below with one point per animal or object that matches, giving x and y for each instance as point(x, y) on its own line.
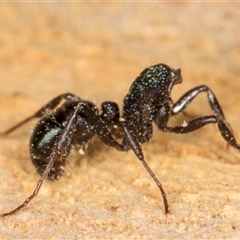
point(76, 121)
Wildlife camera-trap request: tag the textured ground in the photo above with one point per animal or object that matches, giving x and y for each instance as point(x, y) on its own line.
point(96, 50)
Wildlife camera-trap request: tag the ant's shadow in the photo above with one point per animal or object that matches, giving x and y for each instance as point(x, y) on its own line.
point(89, 152)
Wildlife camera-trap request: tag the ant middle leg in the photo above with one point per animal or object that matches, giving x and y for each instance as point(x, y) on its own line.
point(130, 142)
point(134, 144)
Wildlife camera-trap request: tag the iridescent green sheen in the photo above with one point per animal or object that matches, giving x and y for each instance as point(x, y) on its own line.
point(47, 138)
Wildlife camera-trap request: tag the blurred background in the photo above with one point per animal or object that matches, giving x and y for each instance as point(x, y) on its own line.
point(96, 50)
point(57, 47)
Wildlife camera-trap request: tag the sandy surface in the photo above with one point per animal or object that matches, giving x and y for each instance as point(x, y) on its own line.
point(96, 50)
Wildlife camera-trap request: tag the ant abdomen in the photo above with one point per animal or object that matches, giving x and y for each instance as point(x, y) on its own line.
point(43, 145)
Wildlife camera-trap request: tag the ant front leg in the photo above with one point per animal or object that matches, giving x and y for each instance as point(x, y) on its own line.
point(182, 103)
point(187, 98)
point(163, 115)
point(50, 105)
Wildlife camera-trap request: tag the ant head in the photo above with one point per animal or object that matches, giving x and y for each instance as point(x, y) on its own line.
point(161, 75)
point(156, 80)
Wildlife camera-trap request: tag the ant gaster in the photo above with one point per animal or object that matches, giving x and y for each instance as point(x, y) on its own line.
point(76, 121)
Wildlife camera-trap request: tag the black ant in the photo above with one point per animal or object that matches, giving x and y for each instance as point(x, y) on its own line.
point(76, 121)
